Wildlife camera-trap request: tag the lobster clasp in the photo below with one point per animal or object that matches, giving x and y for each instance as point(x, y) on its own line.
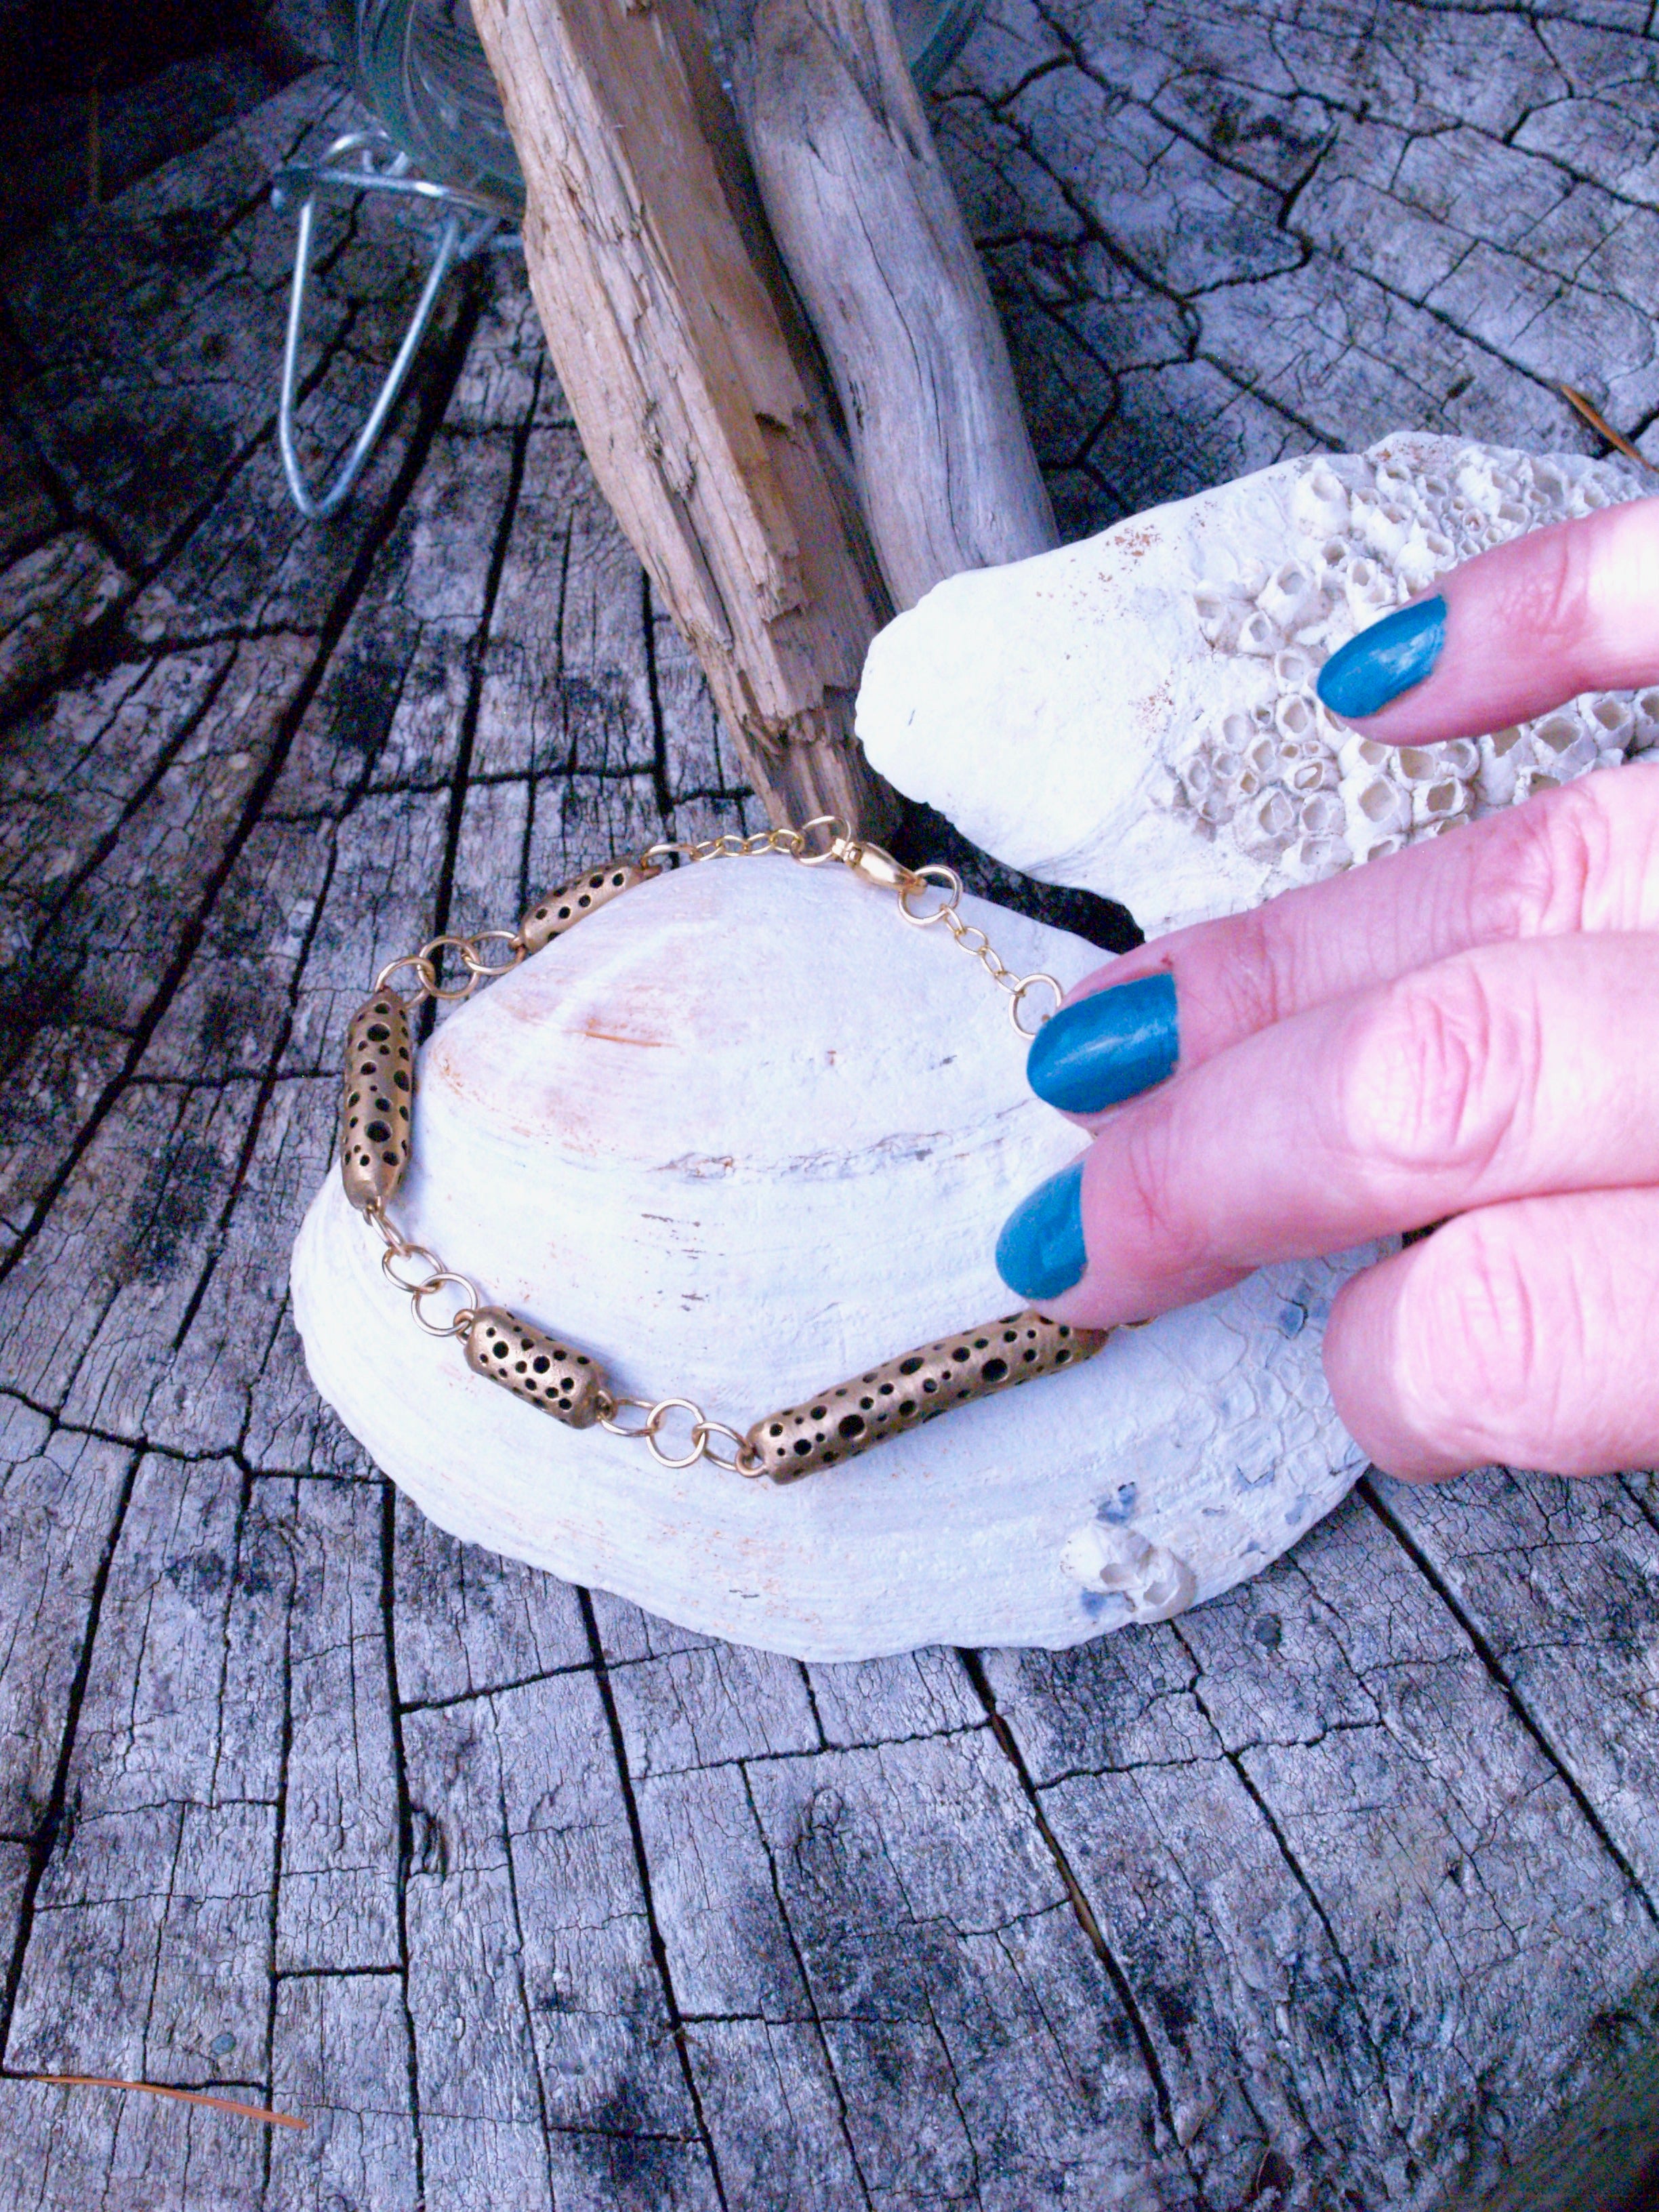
point(874, 865)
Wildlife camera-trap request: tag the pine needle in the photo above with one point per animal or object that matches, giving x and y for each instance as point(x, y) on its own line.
point(161, 2089)
point(1599, 423)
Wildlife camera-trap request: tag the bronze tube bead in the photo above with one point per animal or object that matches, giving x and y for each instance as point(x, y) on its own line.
point(839, 1423)
point(560, 910)
point(535, 1366)
point(379, 1085)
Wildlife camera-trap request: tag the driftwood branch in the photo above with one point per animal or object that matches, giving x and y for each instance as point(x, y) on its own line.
point(872, 233)
point(695, 409)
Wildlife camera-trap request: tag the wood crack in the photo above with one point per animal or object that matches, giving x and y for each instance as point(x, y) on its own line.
point(1489, 1659)
point(791, 1938)
point(405, 1813)
point(283, 739)
point(659, 1950)
point(46, 1834)
point(1081, 1907)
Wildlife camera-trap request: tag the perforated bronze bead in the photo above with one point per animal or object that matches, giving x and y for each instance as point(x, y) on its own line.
point(573, 901)
point(380, 1082)
point(841, 1423)
point(534, 1366)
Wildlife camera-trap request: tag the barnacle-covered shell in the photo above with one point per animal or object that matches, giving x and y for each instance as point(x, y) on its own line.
point(741, 1136)
point(1136, 715)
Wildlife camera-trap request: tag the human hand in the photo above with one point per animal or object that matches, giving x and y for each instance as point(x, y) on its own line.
point(1466, 1033)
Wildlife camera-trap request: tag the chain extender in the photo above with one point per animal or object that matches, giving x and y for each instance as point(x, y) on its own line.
point(375, 1130)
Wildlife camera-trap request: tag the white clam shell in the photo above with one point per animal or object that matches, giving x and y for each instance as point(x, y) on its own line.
point(1077, 715)
point(741, 1135)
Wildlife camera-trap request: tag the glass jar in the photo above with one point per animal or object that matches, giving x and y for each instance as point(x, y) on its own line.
point(421, 67)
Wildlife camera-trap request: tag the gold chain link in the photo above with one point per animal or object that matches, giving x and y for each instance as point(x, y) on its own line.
point(744, 1461)
point(973, 939)
point(433, 1277)
point(478, 967)
point(873, 865)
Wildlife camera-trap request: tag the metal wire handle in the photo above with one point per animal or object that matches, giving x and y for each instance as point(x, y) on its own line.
point(455, 244)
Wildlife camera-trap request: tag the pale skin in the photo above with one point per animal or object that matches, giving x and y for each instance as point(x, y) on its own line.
point(1466, 1034)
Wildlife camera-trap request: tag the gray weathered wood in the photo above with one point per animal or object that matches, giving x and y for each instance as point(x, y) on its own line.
point(468, 1623)
point(62, 1501)
point(149, 1942)
point(337, 1887)
point(1607, 2153)
point(53, 594)
point(1349, 1998)
point(869, 227)
point(1333, 1893)
point(340, 2060)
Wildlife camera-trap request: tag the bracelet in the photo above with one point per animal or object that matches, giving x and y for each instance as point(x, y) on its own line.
point(375, 1130)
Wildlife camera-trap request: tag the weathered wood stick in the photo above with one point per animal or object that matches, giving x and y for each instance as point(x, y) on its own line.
point(695, 414)
point(872, 235)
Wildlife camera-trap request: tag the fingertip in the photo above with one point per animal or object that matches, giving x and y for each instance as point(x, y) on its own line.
point(1041, 1253)
point(1108, 1046)
point(1387, 658)
point(1364, 1368)
point(1525, 626)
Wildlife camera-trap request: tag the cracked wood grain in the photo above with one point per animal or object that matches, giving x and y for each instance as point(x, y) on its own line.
point(1337, 1891)
point(338, 1884)
point(339, 2052)
point(1558, 1593)
point(926, 1963)
point(60, 1499)
point(469, 1622)
point(53, 594)
point(148, 1943)
point(546, 2055)
point(59, 2146)
point(1303, 227)
point(954, 1987)
point(1367, 2007)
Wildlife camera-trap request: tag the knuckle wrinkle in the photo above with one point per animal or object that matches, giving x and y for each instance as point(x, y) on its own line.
point(1258, 991)
point(1148, 1193)
point(1544, 869)
point(1471, 1356)
point(1418, 1091)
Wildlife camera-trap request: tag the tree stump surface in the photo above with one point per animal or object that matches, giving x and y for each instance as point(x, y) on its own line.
point(1335, 1893)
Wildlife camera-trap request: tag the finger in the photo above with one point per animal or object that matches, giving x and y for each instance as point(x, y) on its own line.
point(1514, 632)
point(1585, 858)
point(1514, 1070)
point(1521, 1334)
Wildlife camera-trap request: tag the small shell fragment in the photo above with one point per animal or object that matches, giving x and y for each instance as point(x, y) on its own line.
point(1148, 1581)
point(535, 1366)
point(561, 910)
point(840, 1422)
point(375, 1104)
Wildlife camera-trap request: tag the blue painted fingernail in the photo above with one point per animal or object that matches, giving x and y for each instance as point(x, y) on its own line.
point(1039, 1252)
point(1104, 1048)
point(1371, 670)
